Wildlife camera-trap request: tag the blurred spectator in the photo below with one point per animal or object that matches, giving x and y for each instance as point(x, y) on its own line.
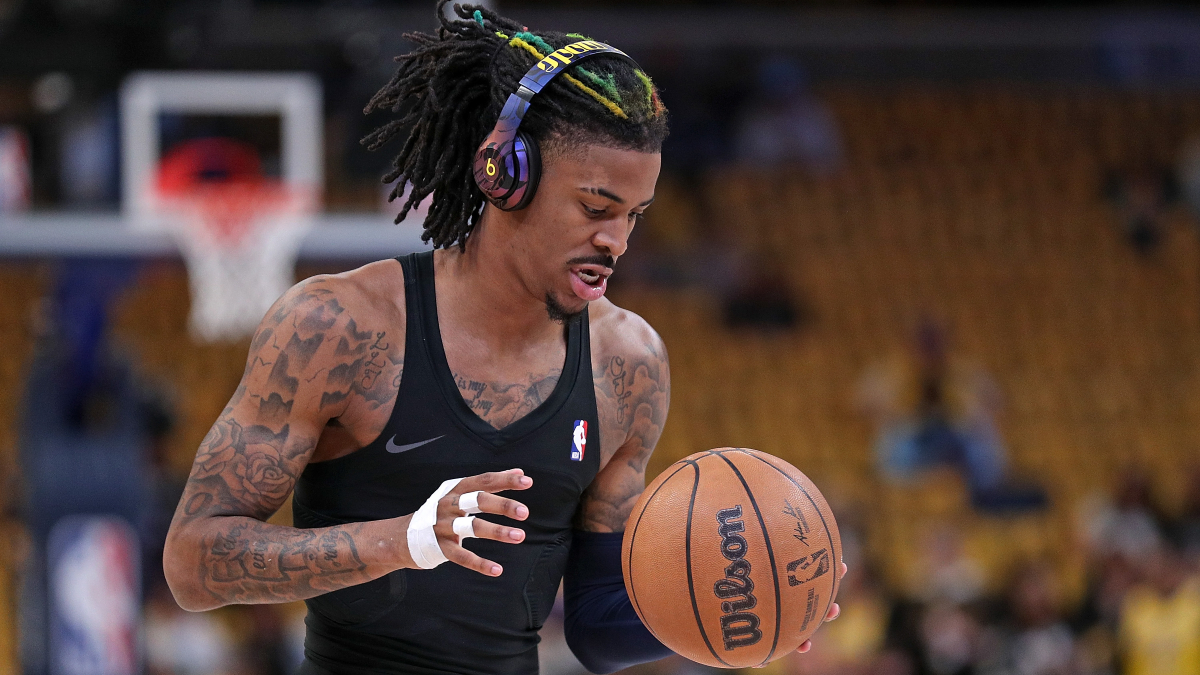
point(1035, 639)
point(1098, 616)
point(1160, 619)
point(936, 629)
point(1184, 531)
point(934, 410)
point(1116, 576)
point(903, 640)
point(947, 573)
point(762, 297)
point(950, 636)
point(1128, 526)
point(785, 123)
point(1142, 195)
point(1119, 534)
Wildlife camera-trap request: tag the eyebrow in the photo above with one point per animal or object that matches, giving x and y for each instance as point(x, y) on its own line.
point(609, 195)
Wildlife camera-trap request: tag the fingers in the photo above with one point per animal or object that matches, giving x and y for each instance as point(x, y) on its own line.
point(451, 509)
point(457, 554)
point(804, 646)
point(444, 528)
point(451, 506)
point(502, 506)
point(508, 535)
point(834, 612)
point(495, 481)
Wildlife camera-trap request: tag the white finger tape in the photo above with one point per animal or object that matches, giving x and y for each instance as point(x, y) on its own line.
point(422, 540)
point(464, 527)
point(469, 502)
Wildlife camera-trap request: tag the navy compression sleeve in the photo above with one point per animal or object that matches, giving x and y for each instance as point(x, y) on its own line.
point(602, 628)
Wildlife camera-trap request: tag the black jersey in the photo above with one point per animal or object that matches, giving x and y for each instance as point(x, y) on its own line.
point(451, 619)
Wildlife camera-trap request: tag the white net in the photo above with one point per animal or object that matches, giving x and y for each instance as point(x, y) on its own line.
point(240, 243)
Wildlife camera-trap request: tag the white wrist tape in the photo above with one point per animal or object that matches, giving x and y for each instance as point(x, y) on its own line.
point(469, 502)
point(422, 541)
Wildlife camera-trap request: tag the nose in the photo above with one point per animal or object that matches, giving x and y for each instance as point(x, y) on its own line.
point(612, 237)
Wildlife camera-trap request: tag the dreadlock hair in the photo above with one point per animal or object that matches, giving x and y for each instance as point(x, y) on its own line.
point(448, 92)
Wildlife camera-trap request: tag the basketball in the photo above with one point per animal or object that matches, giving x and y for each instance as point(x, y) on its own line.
point(730, 557)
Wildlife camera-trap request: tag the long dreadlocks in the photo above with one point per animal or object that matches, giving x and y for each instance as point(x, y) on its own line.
point(448, 93)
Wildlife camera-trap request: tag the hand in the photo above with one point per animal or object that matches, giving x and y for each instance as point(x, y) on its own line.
point(486, 483)
point(832, 614)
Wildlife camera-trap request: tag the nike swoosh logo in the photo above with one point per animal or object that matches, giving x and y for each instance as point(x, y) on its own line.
point(393, 448)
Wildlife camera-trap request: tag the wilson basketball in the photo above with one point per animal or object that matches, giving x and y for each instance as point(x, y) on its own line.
point(731, 557)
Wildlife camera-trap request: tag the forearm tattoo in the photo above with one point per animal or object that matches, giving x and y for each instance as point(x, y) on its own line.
point(248, 561)
point(309, 360)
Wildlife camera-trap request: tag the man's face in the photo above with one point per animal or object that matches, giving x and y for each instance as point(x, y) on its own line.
point(568, 240)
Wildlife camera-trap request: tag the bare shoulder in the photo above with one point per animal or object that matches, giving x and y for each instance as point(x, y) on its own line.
point(331, 312)
point(619, 332)
point(330, 342)
point(375, 289)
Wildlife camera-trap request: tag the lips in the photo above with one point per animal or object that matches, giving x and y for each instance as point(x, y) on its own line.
point(590, 281)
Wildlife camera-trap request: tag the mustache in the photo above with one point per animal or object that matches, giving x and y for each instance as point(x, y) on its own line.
point(605, 260)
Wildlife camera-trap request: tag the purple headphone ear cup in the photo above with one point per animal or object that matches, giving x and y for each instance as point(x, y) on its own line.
point(529, 173)
point(489, 171)
point(508, 174)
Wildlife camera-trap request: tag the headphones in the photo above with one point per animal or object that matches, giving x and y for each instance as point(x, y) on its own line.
point(507, 164)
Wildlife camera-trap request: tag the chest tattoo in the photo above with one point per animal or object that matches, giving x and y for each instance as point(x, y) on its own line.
point(501, 404)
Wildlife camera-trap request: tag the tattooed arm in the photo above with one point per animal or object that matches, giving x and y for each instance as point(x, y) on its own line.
point(315, 358)
point(634, 392)
point(307, 359)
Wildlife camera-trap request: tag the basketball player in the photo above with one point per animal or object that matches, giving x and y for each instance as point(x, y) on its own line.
point(494, 359)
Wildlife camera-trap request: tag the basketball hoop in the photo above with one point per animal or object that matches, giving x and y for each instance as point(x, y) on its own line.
point(238, 230)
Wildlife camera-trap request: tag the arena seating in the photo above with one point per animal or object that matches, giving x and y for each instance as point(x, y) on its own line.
point(982, 206)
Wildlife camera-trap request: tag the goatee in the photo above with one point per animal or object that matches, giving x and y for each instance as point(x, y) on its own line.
point(558, 313)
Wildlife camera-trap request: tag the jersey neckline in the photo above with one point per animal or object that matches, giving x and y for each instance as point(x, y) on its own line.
point(531, 421)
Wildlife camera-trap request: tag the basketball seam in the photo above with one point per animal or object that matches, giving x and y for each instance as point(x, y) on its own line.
point(633, 535)
point(688, 561)
point(833, 550)
point(770, 555)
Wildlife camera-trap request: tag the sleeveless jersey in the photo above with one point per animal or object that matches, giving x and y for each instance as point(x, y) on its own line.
point(451, 619)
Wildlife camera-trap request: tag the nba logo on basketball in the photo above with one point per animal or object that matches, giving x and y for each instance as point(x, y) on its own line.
point(578, 440)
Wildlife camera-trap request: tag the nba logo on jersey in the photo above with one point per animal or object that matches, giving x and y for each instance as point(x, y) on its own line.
point(579, 440)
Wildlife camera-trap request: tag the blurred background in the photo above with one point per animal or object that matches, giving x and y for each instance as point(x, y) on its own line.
point(943, 258)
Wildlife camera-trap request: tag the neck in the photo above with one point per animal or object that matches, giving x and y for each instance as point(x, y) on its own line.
point(490, 299)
